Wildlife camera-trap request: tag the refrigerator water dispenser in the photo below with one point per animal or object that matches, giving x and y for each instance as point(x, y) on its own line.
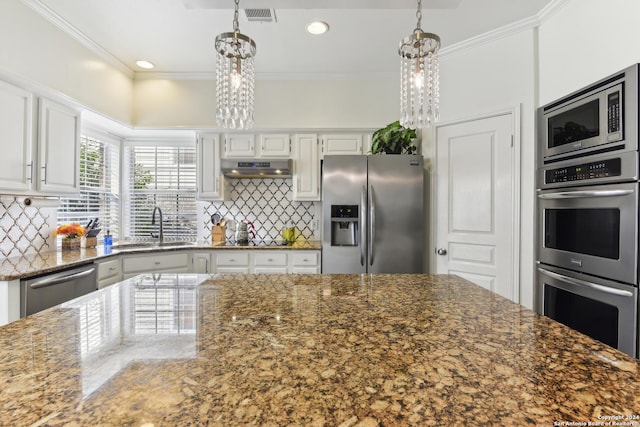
point(344, 225)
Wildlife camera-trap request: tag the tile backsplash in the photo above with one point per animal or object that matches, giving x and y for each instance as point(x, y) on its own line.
point(267, 204)
point(25, 230)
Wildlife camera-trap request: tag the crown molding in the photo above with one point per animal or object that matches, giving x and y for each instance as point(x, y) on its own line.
point(507, 30)
point(262, 76)
point(47, 13)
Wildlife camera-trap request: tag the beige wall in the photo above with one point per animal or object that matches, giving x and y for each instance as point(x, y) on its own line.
point(36, 54)
point(369, 102)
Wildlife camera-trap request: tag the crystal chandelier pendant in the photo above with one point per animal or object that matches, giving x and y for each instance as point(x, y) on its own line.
point(235, 78)
point(419, 78)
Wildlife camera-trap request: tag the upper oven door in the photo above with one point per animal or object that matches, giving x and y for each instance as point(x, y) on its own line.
point(584, 123)
point(593, 230)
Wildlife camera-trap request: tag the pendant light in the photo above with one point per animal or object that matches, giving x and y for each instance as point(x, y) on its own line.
point(419, 77)
point(235, 78)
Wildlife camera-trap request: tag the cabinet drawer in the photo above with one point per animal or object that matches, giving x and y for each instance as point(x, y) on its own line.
point(232, 258)
point(131, 264)
point(108, 269)
point(269, 259)
point(305, 258)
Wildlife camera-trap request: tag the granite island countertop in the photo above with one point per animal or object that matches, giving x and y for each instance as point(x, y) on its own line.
point(21, 267)
point(334, 350)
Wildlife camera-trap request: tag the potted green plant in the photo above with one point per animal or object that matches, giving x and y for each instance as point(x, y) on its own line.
point(393, 139)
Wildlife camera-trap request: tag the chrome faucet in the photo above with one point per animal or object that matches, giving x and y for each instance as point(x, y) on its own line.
point(160, 235)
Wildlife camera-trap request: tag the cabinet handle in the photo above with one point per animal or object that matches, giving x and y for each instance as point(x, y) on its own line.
point(270, 259)
point(45, 173)
point(30, 166)
point(112, 269)
point(217, 183)
point(232, 260)
point(157, 263)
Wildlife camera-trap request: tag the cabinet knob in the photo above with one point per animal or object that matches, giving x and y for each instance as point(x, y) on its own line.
point(441, 251)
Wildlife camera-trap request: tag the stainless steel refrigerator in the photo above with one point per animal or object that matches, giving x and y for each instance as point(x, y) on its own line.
point(372, 214)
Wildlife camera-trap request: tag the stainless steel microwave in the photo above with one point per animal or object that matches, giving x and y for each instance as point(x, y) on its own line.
point(601, 117)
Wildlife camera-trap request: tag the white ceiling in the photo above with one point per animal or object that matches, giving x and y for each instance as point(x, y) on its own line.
point(178, 35)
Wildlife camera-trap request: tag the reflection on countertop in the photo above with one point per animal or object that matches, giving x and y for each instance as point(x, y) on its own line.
point(16, 268)
point(224, 350)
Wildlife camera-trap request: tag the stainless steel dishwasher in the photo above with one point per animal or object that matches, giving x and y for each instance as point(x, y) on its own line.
point(42, 292)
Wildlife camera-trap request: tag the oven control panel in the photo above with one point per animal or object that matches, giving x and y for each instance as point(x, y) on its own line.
point(585, 171)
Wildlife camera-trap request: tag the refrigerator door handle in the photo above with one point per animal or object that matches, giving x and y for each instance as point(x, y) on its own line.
point(372, 224)
point(363, 227)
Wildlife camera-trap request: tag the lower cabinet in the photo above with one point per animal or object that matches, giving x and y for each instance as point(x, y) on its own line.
point(109, 272)
point(271, 262)
point(231, 261)
point(305, 262)
point(201, 262)
point(265, 261)
point(177, 262)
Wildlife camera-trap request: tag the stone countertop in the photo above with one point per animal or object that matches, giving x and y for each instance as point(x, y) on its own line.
point(334, 350)
point(16, 268)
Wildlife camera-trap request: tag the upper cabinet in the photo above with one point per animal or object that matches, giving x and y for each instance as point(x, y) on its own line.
point(343, 144)
point(268, 146)
point(239, 145)
point(306, 177)
point(16, 130)
point(210, 181)
point(58, 148)
point(52, 166)
point(275, 145)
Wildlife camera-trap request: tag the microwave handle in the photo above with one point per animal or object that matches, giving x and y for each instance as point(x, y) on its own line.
point(582, 283)
point(584, 194)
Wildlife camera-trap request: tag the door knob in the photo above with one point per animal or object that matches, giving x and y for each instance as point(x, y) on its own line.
point(441, 251)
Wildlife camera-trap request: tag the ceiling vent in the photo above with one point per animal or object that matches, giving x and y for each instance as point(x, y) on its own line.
point(260, 15)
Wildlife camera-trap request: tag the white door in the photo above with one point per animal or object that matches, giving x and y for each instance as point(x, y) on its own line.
point(475, 203)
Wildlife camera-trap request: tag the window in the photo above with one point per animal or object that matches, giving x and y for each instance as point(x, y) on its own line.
point(99, 186)
point(163, 175)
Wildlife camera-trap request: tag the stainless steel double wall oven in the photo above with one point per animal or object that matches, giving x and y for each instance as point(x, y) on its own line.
point(588, 210)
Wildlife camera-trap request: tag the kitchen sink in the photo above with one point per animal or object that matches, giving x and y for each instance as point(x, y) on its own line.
point(147, 245)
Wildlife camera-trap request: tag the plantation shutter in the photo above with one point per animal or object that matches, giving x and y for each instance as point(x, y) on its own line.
point(99, 186)
point(163, 175)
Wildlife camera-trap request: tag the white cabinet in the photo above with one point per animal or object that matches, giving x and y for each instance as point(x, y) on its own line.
point(177, 262)
point(201, 262)
point(342, 144)
point(276, 145)
point(270, 262)
point(239, 145)
point(58, 148)
point(266, 261)
point(16, 130)
point(52, 166)
point(109, 272)
point(304, 262)
point(210, 181)
point(306, 175)
point(233, 261)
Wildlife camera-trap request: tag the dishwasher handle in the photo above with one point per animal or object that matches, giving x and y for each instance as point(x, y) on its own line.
point(61, 279)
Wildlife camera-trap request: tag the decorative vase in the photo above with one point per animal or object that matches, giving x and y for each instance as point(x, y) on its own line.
point(71, 243)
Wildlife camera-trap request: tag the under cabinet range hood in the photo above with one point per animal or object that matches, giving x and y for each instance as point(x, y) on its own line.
point(256, 168)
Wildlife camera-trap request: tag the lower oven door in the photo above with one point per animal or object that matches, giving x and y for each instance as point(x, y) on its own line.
point(592, 230)
point(601, 309)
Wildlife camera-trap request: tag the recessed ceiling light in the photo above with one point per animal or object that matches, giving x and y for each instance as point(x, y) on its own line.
point(145, 64)
point(317, 27)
